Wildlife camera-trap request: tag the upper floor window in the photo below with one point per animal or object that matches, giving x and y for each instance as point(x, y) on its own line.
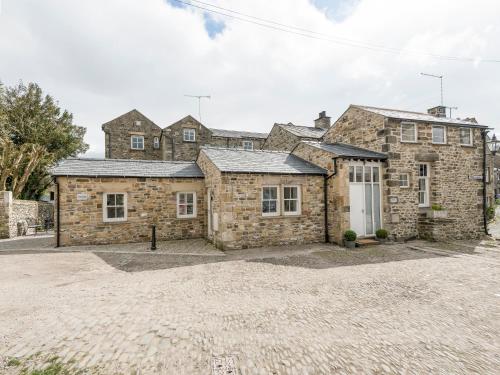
point(408, 132)
point(465, 136)
point(156, 142)
point(247, 145)
point(137, 123)
point(189, 135)
point(438, 134)
point(404, 180)
point(137, 142)
point(186, 205)
point(114, 207)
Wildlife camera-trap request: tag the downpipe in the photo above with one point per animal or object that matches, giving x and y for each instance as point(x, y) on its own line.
point(325, 197)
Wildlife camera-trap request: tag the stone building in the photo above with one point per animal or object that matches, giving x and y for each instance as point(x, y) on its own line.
point(134, 136)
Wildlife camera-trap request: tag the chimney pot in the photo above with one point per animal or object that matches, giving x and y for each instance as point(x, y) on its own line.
point(323, 121)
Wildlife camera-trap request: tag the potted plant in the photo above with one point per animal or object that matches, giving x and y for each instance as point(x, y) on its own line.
point(381, 235)
point(437, 212)
point(350, 239)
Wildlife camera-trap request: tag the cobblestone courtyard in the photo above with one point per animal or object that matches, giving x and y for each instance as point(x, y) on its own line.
point(407, 308)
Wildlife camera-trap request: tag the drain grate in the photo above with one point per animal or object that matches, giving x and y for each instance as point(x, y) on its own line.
point(225, 365)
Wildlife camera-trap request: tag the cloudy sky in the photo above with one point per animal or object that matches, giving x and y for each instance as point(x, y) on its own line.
point(101, 58)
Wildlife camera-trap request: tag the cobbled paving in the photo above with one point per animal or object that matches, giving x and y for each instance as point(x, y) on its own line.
point(303, 310)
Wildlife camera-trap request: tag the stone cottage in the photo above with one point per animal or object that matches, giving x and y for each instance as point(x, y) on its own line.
point(133, 136)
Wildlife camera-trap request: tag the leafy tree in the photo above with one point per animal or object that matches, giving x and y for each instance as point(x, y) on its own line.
point(34, 135)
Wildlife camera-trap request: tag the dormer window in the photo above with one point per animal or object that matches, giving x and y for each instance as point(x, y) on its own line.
point(156, 142)
point(189, 135)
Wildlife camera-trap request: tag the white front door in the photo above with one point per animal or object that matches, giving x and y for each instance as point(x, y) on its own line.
point(365, 198)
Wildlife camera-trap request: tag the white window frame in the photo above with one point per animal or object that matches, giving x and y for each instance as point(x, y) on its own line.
point(187, 216)
point(427, 185)
point(248, 143)
point(415, 132)
point(298, 211)
point(189, 131)
point(132, 142)
point(470, 137)
point(105, 208)
point(156, 143)
point(278, 206)
point(407, 180)
point(444, 134)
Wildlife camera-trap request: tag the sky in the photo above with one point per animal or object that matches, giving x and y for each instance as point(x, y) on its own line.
point(100, 59)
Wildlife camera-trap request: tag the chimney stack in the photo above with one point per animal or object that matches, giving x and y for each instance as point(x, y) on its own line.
point(323, 121)
point(439, 111)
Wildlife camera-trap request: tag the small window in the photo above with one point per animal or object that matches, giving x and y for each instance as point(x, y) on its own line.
point(156, 142)
point(186, 205)
point(114, 207)
point(291, 200)
point(408, 132)
point(247, 145)
point(52, 195)
point(465, 136)
point(438, 134)
point(423, 185)
point(189, 135)
point(270, 203)
point(137, 123)
point(137, 142)
point(404, 180)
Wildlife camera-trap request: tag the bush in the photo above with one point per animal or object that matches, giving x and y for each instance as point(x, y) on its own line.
point(437, 207)
point(350, 235)
point(490, 212)
point(381, 233)
point(497, 201)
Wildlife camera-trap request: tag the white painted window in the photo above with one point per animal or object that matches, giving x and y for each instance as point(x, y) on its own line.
point(137, 123)
point(439, 134)
point(408, 132)
point(423, 185)
point(156, 142)
point(114, 207)
point(186, 204)
point(404, 180)
point(247, 145)
point(137, 142)
point(270, 201)
point(291, 200)
point(465, 136)
point(189, 135)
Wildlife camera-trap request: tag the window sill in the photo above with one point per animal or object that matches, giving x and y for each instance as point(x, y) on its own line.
point(188, 141)
point(107, 221)
point(280, 216)
point(412, 142)
point(468, 146)
point(137, 149)
point(186, 217)
point(440, 144)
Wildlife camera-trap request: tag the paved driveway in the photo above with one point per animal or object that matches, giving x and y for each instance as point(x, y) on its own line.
point(408, 308)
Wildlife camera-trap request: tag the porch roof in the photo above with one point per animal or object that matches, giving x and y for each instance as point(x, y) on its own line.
point(347, 151)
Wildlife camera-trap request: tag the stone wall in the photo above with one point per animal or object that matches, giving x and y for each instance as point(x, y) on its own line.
point(174, 146)
point(228, 142)
point(149, 201)
point(118, 133)
point(452, 171)
point(280, 139)
point(14, 211)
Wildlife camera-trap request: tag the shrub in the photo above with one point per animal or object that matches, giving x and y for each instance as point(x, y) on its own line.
point(437, 207)
point(382, 233)
point(490, 212)
point(497, 201)
point(350, 235)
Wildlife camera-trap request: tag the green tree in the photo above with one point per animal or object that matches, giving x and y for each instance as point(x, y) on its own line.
point(34, 135)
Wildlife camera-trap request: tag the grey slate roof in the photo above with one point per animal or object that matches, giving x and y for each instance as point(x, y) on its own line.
point(126, 168)
point(259, 161)
point(237, 134)
point(348, 151)
point(415, 116)
point(303, 131)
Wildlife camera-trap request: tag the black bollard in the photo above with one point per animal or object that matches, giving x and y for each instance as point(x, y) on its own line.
point(153, 237)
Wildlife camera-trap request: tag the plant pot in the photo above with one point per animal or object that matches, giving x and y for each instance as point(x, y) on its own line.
point(433, 214)
point(350, 244)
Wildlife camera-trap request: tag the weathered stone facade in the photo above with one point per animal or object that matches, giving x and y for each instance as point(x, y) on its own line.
point(230, 142)
point(454, 171)
point(174, 145)
point(149, 201)
point(118, 133)
point(280, 139)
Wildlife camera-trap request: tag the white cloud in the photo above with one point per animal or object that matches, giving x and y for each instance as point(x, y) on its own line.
point(101, 59)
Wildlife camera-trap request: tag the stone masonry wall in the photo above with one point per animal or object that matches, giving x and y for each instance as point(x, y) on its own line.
point(236, 142)
point(5, 213)
point(119, 131)
point(174, 146)
point(280, 140)
point(149, 201)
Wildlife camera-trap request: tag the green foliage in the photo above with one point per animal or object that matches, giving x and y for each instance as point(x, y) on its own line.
point(497, 201)
point(490, 212)
point(381, 233)
point(34, 135)
point(350, 235)
point(13, 362)
point(437, 207)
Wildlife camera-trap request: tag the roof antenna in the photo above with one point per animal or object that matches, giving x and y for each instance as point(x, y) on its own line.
point(441, 78)
point(199, 97)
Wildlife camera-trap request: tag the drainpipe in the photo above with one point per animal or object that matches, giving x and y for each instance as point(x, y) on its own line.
point(325, 197)
point(485, 217)
point(58, 214)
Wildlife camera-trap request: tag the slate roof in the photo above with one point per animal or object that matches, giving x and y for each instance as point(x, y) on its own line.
point(126, 168)
point(348, 151)
point(259, 161)
point(303, 131)
point(237, 134)
point(415, 116)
